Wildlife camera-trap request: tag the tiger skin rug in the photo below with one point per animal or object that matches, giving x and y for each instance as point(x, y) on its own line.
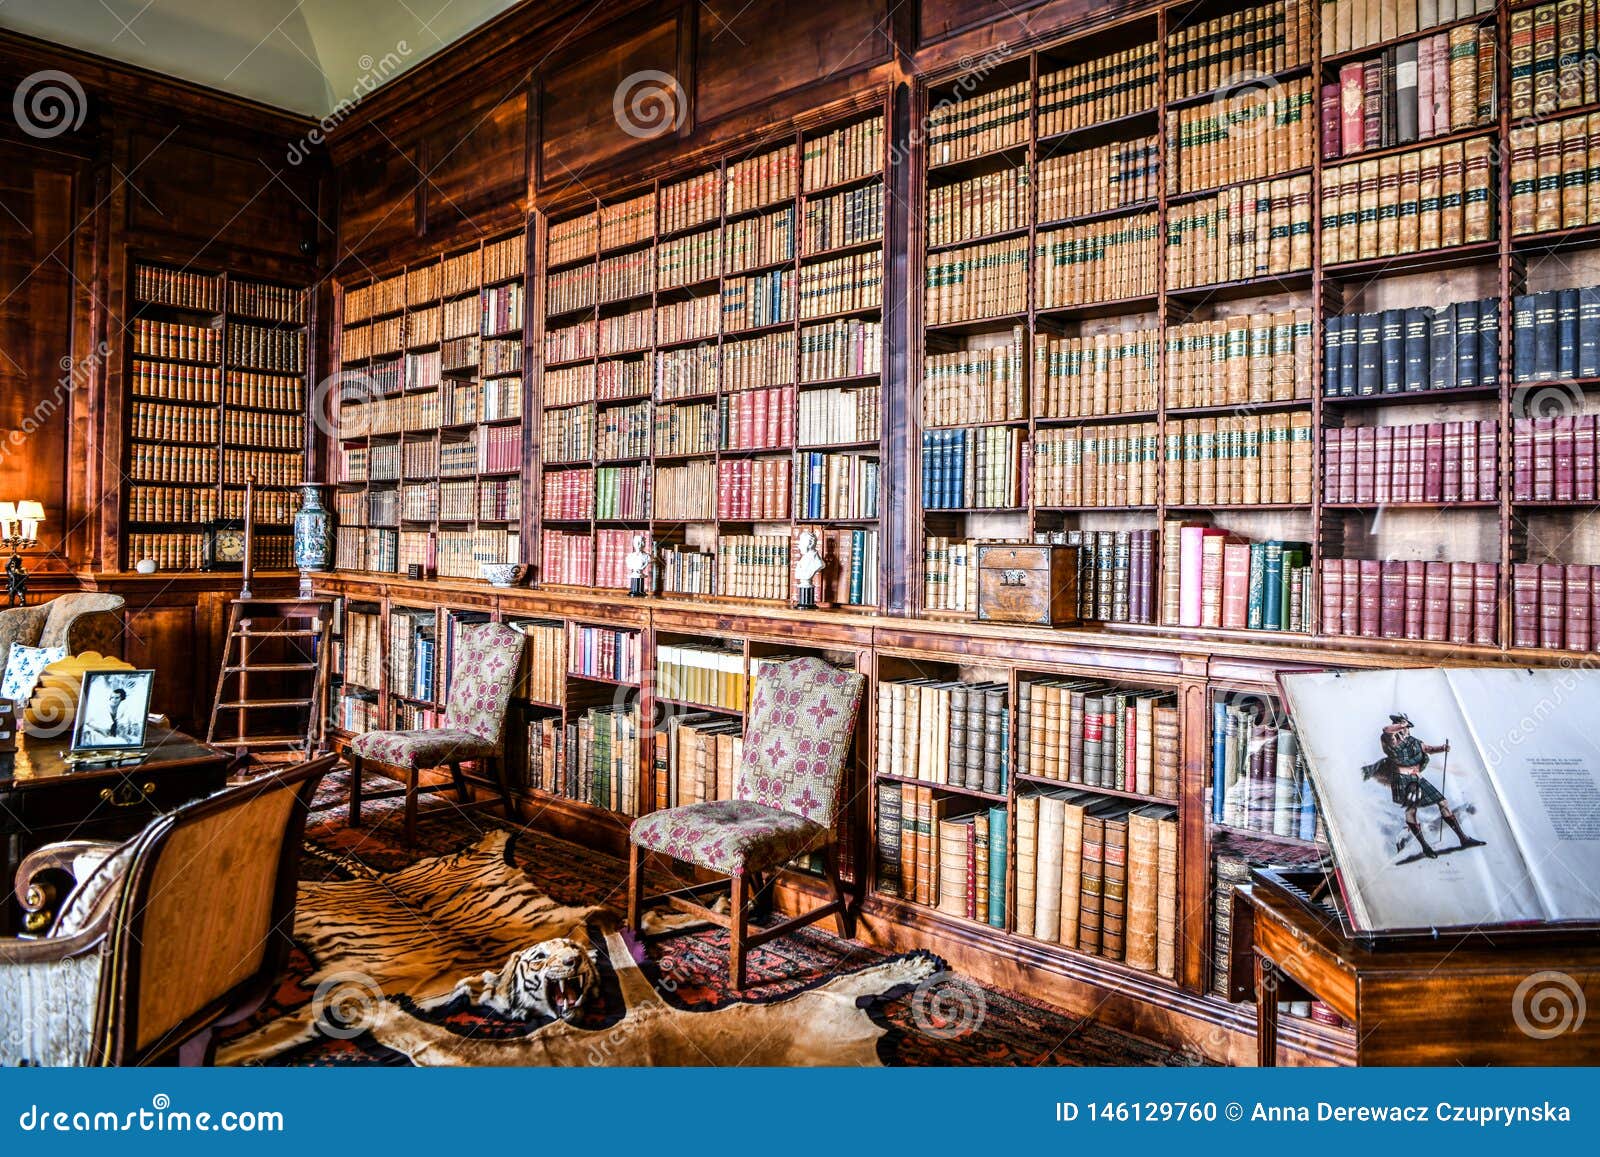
point(391, 951)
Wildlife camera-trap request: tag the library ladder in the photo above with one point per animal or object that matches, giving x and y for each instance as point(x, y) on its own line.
point(275, 660)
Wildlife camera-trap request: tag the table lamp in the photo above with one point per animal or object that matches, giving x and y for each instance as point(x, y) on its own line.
point(19, 530)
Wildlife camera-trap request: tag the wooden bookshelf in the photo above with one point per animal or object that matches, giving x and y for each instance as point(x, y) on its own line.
point(687, 373)
point(216, 377)
point(429, 410)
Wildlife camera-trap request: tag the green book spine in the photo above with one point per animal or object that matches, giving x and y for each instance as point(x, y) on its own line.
point(1272, 586)
point(997, 867)
point(1257, 577)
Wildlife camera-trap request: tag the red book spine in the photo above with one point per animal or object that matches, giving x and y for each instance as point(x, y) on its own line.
point(1416, 463)
point(1392, 599)
point(1369, 599)
point(1552, 604)
point(1332, 594)
point(1461, 601)
point(1544, 487)
point(1522, 459)
point(1562, 444)
point(1486, 603)
point(1415, 571)
point(1488, 461)
point(1332, 131)
point(1366, 464)
point(1383, 483)
point(1350, 607)
point(1351, 102)
point(1433, 478)
point(1235, 584)
point(1580, 625)
point(1452, 462)
point(1524, 605)
point(1436, 601)
point(1583, 452)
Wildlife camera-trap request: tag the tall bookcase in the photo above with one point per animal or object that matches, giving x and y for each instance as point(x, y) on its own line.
point(429, 412)
point(216, 370)
point(712, 369)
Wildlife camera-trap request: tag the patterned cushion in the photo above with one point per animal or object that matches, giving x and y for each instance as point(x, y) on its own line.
point(96, 874)
point(420, 748)
point(481, 682)
point(23, 666)
point(730, 836)
point(798, 738)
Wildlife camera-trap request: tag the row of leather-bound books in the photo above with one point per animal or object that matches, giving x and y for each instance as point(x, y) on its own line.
point(1266, 39)
point(1090, 733)
point(1433, 197)
point(1219, 143)
point(1554, 60)
point(1247, 230)
point(1116, 573)
point(1455, 602)
point(542, 676)
point(930, 852)
point(1555, 174)
point(1099, 876)
point(1348, 25)
point(1432, 462)
point(1432, 87)
point(949, 732)
point(594, 760)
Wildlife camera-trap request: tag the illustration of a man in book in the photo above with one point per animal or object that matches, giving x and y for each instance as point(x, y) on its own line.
point(1405, 759)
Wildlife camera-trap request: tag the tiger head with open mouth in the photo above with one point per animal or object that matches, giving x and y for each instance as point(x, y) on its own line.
point(552, 979)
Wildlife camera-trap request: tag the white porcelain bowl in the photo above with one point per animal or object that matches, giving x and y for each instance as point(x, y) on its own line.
point(500, 574)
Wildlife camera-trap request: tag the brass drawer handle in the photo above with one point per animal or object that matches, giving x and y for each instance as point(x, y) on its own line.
point(126, 794)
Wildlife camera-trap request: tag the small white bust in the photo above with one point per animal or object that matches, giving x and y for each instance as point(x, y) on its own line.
point(810, 564)
point(638, 559)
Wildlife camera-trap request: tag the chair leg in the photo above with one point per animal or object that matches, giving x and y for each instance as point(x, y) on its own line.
point(635, 885)
point(847, 918)
point(736, 930)
point(413, 781)
point(355, 789)
point(459, 780)
point(502, 776)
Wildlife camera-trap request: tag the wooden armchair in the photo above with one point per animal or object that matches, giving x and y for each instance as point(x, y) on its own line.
point(474, 729)
point(162, 939)
point(786, 802)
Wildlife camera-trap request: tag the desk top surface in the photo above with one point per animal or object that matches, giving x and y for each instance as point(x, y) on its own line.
point(39, 762)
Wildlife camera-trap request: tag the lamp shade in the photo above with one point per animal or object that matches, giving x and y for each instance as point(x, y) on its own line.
point(8, 511)
point(33, 511)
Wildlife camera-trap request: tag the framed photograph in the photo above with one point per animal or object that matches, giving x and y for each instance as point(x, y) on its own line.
point(112, 711)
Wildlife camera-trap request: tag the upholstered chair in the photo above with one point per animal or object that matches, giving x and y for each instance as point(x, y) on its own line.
point(474, 729)
point(151, 945)
point(84, 621)
point(786, 804)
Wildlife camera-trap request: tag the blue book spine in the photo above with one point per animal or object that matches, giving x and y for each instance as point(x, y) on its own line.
point(1489, 342)
point(1219, 758)
point(815, 497)
point(1308, 809)
point(1331, 337)
point(997, 867)
point(858, 543)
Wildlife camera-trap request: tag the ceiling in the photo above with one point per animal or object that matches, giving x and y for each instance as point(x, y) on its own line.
point(307, 56)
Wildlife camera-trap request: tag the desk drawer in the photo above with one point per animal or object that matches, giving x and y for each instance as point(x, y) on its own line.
point(103, 803)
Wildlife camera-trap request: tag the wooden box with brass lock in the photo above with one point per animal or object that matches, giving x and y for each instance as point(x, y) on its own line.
point(1032, 583)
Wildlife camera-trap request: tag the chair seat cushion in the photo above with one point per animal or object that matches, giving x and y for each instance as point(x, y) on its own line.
point(730, 836)
point(415, 749)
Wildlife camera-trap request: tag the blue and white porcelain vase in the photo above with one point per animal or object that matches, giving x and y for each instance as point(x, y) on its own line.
point(313, 534)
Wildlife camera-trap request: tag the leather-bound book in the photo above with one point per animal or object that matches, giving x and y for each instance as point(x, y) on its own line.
point(1167, 896)
point(1521, 64)
point(1392, 596)
point(1143, 886)
point(1415, 578)
point(1070, 875)
point(952, 870)
point(1462, 599)
point(1524, 605)
point(888, 838)
point(1027, 862)
point(1047, 885)
point(1578, 631)
point(1547, 164)
point(1113, 915)
point(1463, 76)
point(1485, 603)
point(1524, 154)
point(1477, 213)
point(1436, 602)
point(978, 867)
point(1091, 887)
point(1552, 605)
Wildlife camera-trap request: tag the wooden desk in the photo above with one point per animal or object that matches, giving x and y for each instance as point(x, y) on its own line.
point(1476, 999)
point(44, 799)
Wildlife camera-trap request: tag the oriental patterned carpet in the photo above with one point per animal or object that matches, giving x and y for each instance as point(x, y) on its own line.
point(860, 1006)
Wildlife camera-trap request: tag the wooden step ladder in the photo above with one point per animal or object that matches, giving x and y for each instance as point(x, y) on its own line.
point(251, 621)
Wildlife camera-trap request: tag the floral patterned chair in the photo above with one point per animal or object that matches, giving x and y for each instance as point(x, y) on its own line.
point(151, 945)
point(85, 621)
point(474, 729)
point(786, 800)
